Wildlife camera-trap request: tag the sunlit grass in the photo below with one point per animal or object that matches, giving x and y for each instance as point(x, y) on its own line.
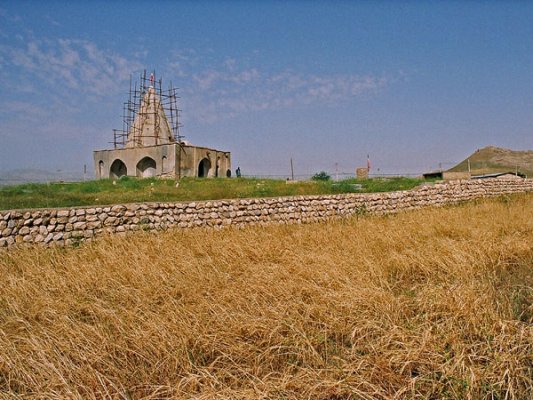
point(129, 190)
point(435, 303)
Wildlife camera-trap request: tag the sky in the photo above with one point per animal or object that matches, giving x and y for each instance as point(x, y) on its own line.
point(416, 85)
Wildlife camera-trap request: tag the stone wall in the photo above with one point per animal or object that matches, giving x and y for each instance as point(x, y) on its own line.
point(69, 226)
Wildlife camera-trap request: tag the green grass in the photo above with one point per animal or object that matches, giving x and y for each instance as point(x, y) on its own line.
point(130, 190)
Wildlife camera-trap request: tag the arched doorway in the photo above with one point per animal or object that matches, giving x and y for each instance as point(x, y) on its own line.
point(118, 169)
point(228, 173)
point(146, 168)
point(204, 167)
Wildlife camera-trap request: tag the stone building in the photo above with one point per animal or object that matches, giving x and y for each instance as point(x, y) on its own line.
point(150, 144)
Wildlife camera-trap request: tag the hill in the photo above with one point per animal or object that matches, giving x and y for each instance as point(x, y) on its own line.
point(493, 159)
point(26, 175)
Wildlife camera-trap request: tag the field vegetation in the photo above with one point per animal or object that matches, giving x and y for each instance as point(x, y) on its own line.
point(432, 304)
point(129, 190)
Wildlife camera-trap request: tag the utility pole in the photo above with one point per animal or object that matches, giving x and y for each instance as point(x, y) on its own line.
point(179, 160)
point(292, 170)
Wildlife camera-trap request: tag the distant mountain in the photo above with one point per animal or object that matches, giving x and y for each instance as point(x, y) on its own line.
point(17, 176)
point(493, 159)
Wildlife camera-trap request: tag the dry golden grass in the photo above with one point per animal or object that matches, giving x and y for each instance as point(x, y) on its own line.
point(428, 304)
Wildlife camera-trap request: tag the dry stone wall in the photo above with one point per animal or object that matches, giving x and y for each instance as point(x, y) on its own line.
point(69, 226)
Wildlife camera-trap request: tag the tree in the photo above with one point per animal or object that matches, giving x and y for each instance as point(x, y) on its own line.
point(321, 176)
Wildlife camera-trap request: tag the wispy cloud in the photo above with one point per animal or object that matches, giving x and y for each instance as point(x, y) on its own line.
point(227, 90)
point(74, 64)
point(52, 21)
point(49, 83)
point(52, 88)
point(10, 17)
point(66, 72)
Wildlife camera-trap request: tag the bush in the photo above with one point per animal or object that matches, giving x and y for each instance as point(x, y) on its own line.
point(321, 176)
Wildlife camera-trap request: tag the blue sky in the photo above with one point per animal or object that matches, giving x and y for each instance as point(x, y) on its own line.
point(414, 84)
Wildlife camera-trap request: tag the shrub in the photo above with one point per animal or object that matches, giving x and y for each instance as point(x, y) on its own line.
point(321, 176)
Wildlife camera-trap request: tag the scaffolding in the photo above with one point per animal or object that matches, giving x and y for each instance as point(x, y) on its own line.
point(135, 110)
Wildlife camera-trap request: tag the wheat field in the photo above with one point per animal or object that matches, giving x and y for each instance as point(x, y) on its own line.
point(434, 304)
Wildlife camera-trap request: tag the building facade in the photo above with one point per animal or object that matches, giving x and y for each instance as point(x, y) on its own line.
point(172, 160)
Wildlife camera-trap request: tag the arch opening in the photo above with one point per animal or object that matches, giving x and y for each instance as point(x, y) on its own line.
point(146, 168)
point(203, 168)
point(118, 169)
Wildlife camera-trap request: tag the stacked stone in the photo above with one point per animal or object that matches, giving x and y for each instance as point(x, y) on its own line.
point(70, 226)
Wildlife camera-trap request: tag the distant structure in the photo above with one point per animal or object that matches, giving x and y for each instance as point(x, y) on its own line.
point(361, 173)
point(447, 175)
point(502, 175)
point(150, 144)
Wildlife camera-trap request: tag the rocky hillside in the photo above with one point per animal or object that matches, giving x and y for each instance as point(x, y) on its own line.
point(493, 159)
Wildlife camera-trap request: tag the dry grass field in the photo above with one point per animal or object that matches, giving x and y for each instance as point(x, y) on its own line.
point(431, 304)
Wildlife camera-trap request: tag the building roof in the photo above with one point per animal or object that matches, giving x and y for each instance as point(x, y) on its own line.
point(498, 175)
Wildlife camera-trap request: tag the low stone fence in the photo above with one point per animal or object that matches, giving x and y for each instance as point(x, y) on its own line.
point(67, 226)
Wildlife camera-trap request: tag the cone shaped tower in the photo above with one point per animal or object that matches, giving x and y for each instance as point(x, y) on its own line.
point(150, 127)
